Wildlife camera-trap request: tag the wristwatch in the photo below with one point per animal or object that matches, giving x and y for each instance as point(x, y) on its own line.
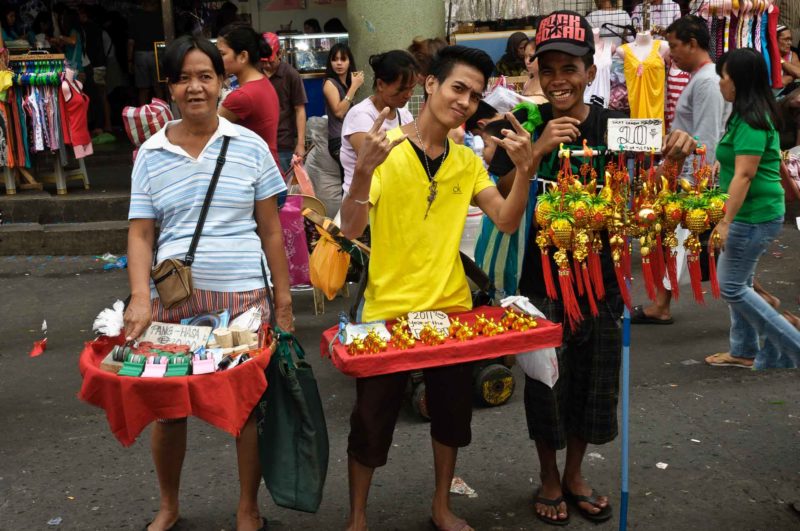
point(347, 99)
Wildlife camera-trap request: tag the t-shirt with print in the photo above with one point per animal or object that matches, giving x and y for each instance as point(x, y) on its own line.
point(359, 119)
point(593, 129)
point(256, 106)
point(765, 197)
point(414, 262)
point(170, 186)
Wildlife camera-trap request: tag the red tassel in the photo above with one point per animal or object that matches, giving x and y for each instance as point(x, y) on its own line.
point(572, 311)
point(578, 279)
point(672, 271)
point(549, 285)
point(596, 272)
point(647, 273)
point(626, 262)
point(38, 348)
point(589, 294)
point(657, 263)
point(695, 274)
point(623, 286)
point(712, 273)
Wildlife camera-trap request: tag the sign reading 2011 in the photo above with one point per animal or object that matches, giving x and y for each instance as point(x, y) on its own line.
point(635, 135)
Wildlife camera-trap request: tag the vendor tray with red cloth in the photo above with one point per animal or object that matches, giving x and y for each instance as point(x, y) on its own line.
point(422, 356)
point(224, 399)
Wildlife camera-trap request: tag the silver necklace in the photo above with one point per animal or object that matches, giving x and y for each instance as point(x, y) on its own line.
point(433, 186)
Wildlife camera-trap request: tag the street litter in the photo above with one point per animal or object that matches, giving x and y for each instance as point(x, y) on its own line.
point(55, 521)
point(662, 466)
point(40, 345)
point(689, 362)
point(459, 486)
point(694, 440)
point(595, 455)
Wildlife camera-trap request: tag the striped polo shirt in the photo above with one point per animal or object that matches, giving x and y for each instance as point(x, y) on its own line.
point(169, 185)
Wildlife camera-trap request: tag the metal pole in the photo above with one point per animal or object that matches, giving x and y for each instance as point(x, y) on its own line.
point(166, 16)
point(626, 376)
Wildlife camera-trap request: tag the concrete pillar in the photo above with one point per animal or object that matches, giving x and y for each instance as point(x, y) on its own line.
point(377, 26)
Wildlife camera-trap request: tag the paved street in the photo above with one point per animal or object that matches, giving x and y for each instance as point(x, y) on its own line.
point(730, 437)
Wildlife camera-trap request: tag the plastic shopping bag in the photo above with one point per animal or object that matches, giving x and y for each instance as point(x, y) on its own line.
point(541, 365)
point(328, 265)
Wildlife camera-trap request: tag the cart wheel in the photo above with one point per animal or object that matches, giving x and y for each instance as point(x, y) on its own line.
point(418, 401)
point(494, 385)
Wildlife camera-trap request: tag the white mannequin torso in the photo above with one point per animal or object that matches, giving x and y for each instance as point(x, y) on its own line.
point(643, 45)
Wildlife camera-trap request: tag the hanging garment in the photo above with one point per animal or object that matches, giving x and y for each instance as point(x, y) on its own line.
point(76, 104)
point(765, 45)
point(600, 89)
point(646, 82)
point(677, 80)
point(774, 53)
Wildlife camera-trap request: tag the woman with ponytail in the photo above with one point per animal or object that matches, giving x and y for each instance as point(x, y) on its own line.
point(254, 104)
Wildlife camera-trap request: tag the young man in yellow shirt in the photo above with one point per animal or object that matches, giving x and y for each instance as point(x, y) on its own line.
point(414, 186)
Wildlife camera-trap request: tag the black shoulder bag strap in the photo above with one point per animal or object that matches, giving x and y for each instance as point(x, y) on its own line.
point(207, 203)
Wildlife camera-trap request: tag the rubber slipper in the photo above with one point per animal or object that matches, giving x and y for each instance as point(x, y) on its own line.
point(601, 516)
point(461, 525)
point(639, 317)
point(550, 503)
point(724, 359)
point(174, 527)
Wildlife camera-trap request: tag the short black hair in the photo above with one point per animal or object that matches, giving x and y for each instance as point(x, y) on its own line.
point(393, 65)
point(484, 112)
point(176, 52)
point(334, 25)
point(446, 58)
point(314, 23)
point(691, 27)
point(496, 127)
point(242, 38)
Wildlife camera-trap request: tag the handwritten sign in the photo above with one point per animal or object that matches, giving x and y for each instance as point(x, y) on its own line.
point(166, 333)
point(418, 320)
point(641, 135)
point(360, 331)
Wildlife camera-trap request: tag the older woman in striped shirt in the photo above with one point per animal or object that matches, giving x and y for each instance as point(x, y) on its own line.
point(242, 230)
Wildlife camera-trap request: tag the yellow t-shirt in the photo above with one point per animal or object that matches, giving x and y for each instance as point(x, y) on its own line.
point(414, 264)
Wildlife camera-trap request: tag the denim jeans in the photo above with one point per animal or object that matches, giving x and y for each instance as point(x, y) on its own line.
point(285, 159)
point(753, 320)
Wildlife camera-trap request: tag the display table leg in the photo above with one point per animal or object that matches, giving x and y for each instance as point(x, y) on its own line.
point(11, 185)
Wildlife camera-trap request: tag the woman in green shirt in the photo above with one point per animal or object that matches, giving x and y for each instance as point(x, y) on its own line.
point(749, 157)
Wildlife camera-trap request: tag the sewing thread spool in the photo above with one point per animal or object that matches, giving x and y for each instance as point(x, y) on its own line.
point(224, 337)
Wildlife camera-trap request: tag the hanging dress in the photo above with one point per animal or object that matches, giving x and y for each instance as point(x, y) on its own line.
point(601, 87)
point(646, 82)
point(76, 107)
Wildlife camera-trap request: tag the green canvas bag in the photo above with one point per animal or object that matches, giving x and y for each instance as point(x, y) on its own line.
point(292, 434)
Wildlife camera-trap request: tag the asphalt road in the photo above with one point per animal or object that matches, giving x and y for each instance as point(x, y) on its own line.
point(730, 437)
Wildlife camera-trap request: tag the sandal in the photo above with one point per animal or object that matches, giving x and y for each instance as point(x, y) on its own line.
point(601, 516)
point(639, 317)
point(550, 503)
point(724, 359)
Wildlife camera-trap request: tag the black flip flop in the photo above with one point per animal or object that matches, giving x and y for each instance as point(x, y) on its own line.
point(550, 503)
point(604, 514)
point(639, 317)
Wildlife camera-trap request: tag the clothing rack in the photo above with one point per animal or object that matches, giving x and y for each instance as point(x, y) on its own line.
point(41, 72)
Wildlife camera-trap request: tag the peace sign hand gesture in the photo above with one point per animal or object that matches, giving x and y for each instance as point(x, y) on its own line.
point(376, 146)
point(517, 143)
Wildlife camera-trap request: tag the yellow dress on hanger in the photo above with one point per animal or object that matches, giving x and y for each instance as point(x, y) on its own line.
point(646, 82)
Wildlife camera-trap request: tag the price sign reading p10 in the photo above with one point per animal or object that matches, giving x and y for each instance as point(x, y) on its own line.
point(638, 135)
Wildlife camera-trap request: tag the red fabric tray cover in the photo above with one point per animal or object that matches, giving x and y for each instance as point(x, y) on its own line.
point(223, 399)
point(547, 334)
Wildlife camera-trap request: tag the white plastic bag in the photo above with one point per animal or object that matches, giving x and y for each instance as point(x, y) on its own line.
point(541, 365)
